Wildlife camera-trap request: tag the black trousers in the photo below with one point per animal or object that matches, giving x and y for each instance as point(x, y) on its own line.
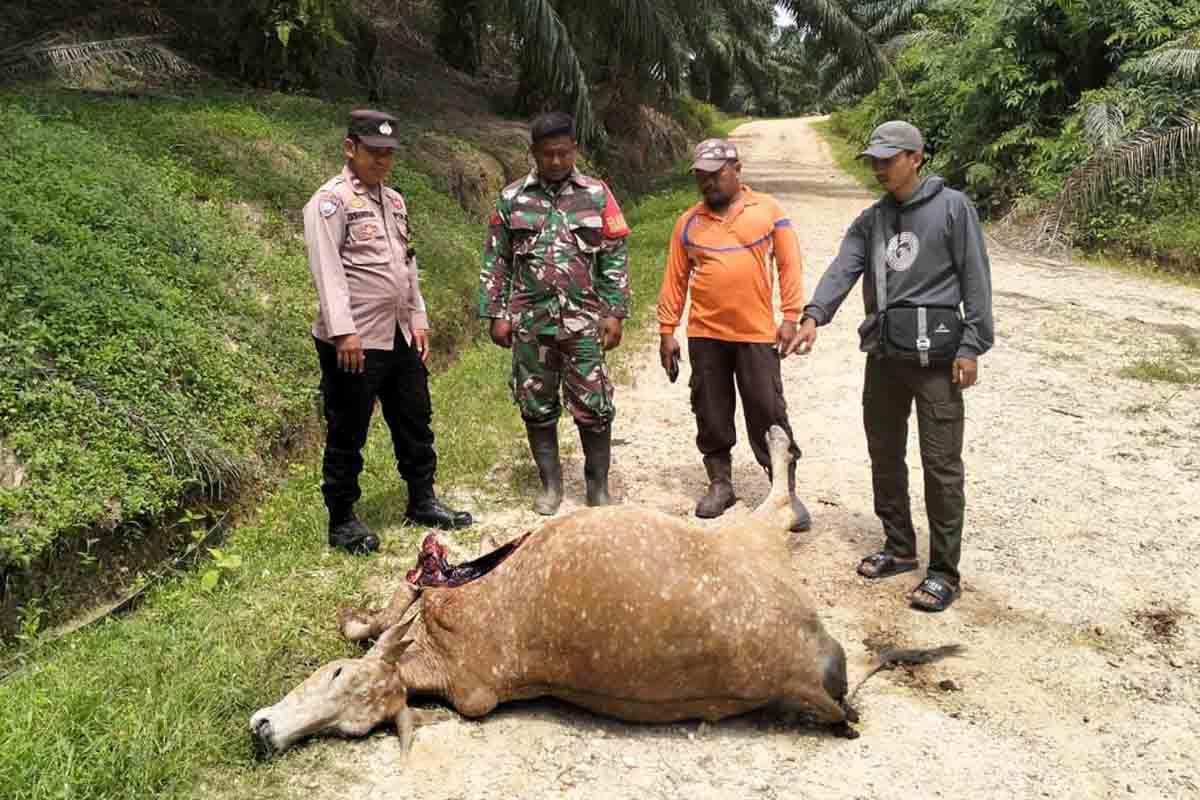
point(400, 382)
point(889, 388)
point(754, 366)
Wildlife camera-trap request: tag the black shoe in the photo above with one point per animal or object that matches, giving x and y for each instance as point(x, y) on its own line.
point(353, 537)
point(430, 512)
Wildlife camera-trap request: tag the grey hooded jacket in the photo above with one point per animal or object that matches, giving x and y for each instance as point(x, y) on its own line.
point(937, 258)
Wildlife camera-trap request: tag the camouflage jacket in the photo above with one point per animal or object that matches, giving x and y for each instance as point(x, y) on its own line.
point(555, 262)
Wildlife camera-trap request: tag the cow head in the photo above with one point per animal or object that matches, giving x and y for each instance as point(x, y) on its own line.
point(348, 697)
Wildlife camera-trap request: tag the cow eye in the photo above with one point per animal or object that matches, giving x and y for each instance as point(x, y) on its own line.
point(336, 672)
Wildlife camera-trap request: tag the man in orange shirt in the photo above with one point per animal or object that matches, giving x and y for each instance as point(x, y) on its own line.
point(727, 249)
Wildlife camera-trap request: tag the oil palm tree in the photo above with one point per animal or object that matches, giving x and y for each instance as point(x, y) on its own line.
point(1154, 148)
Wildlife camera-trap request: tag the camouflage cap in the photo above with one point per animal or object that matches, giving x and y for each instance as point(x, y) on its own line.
point(892, 137)
point(712, 154)
point(373, 128)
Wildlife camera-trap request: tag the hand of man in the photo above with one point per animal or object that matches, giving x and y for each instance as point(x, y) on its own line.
point(350, 356)
point(668, 351)
point(807, 336)
point(421, 343)
point(502, 332)
point(964, 372)
point(610, 333)
point(787, 339)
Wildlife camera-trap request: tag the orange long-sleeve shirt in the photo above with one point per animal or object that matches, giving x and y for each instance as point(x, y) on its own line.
point(728, 260)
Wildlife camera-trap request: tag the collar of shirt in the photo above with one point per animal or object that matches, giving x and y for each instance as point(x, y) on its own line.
point(746, 197)
point(359, 187)
point(532, 179)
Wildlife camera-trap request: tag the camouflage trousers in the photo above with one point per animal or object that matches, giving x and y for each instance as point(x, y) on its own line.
point(541, 364)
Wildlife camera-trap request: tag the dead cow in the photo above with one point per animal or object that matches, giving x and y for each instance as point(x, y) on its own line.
point(625, 611)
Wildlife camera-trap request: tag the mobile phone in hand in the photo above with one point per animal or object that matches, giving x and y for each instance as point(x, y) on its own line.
point(673, 370)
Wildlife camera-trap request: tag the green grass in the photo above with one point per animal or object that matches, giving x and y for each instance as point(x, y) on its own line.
point(1177, 366)
point(726, 125)
point(155, 301)
point(1160, 371)
point(845, 155)
point(156, 705)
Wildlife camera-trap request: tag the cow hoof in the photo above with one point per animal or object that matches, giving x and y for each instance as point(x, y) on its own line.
point(353, 624)
point(843, 731)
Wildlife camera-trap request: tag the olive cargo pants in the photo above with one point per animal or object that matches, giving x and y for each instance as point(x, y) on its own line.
point(889, 388)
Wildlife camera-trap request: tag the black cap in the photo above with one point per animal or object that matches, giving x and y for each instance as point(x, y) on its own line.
point(373, 128)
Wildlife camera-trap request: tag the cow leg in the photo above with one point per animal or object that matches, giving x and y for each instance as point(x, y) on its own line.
point(488, 543)
point(409, 718)
point(474, 701)
point(777, 507)
point(358, 624)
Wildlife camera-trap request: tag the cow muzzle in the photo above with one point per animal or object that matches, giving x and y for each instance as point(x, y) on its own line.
point(263, 734)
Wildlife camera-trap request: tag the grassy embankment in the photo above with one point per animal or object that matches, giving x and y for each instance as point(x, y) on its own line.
point(153, 310)
point(173, 274)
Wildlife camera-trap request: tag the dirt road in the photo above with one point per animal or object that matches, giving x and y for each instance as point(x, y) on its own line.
point(1082, 677)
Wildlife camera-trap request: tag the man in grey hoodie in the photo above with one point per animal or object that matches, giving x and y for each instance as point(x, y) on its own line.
point(923, 244)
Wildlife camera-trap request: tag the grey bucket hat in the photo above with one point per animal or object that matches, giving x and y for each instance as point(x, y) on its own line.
point(892, 137)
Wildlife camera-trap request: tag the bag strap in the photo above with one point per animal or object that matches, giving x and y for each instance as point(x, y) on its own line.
point(879, 262)
point(923, 336)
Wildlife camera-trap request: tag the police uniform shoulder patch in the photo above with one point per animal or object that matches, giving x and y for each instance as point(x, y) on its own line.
point(328, 206)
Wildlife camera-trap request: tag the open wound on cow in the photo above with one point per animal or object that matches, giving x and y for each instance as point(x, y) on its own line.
point(434, 569)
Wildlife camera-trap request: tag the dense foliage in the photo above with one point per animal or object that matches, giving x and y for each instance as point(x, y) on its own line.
point(1082, 100)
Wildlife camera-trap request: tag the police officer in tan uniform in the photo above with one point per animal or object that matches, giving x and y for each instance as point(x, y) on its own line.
point(371, 332)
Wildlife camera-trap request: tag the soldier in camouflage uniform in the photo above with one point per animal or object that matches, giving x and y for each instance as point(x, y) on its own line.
point(555, 285)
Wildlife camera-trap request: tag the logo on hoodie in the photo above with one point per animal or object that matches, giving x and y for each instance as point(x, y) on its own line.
point(902, 250)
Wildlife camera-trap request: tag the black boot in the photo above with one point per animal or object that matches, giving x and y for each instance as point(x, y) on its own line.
point(424, 508)
point(347, 533)
point(720, 495)
point(597, 452)
point(543, 444)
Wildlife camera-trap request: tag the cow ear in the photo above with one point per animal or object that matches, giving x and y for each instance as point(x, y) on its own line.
point(392, 644)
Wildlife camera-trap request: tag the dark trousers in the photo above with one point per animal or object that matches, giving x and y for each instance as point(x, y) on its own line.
point(754, 366)
point(398, 379)
point(889, 388)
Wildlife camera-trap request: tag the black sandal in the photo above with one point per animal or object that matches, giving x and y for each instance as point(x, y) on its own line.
point(885, 565)
point(938, 588)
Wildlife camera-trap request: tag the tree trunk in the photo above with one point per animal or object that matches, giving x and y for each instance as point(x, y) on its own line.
point(460, 35)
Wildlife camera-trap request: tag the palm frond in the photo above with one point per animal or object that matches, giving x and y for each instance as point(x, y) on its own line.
point(550, 57)
point(1147, 153)
point(850, 83)
point(1172, 61)
point(896, 18)
point(1104, 124)
point(83, 58)
point(896, 45)
point(868, 12)
point(835, 24)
